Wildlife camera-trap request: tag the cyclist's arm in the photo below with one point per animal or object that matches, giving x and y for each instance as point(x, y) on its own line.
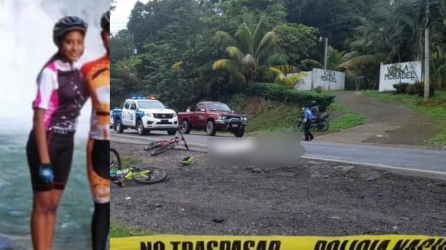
point(46, 87)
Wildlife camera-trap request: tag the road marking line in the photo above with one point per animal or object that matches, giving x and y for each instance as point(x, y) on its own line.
point(374, 165)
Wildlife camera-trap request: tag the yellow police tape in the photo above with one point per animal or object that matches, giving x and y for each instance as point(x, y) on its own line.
point(366, 242)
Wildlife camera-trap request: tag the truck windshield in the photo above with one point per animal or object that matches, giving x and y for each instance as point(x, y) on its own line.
point(218, 107)
point(150, 105)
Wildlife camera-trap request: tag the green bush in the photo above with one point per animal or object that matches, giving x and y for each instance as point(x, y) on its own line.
point(418, 89)
point(401, 88)
point(318, 90)
point(275, 92)
point(411, 90)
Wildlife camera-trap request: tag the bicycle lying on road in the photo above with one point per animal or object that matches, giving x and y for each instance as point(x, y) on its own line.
point(163, 146)
point(320, 124)
point(146, 175)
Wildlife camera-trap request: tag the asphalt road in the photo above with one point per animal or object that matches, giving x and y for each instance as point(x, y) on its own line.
point(421, 161)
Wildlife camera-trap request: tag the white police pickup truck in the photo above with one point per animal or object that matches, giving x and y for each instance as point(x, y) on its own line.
point(145, 115)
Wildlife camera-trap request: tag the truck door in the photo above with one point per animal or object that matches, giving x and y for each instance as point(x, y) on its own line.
point(132, 114)
point(124, 114)
point(200, 115)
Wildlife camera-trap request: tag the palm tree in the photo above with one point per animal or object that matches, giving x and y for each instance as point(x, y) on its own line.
point(389, 38)
point(126, 69)
point(335, 58)
point(247, 53)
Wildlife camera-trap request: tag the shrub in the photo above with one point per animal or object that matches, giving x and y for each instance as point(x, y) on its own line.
point(418, 89)
point(401, 88)
point(411, 90)
point(318, 90)
point(275, 92)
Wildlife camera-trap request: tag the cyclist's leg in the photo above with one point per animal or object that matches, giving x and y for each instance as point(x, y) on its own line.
point(61, 159)
point(46, 197)
point(99, 175)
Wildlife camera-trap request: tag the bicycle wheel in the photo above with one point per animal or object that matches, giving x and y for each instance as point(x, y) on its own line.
point(298, 126)
point(115, 160)
point(163, 149)
point(150, 175)
point(151, 145)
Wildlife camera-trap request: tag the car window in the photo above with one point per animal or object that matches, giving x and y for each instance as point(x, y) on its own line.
point(127, 105)
point(150, 105)
point(133, 106)
point(218, 107)
point(200, 106)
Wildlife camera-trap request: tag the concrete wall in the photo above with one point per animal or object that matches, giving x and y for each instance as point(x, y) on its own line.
point(390, 74)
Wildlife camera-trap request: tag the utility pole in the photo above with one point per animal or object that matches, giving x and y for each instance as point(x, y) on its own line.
point(326, 53)
point(135, 51)
point(426, 54)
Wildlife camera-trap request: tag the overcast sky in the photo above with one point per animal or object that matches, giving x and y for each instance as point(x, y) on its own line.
point(121, 14)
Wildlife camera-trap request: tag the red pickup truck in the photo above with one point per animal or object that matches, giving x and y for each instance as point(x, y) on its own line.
point(212, 117)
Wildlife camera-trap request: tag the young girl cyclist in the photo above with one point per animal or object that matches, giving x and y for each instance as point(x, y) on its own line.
point(61, 93)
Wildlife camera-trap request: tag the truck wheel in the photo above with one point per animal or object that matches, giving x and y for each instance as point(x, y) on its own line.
point(119, 126)
point(240, 133)
point(140, 128)
point(171, 132)
point(185, 127)
point(210, 128)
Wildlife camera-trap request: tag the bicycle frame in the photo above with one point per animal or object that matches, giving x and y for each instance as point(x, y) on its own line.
point(131, 173)
point(176, 140)
point(182, 138)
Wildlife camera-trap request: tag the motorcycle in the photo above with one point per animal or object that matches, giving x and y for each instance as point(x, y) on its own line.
point(319, 124)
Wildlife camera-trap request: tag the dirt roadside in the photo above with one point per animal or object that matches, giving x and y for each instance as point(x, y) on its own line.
point(312, 198)
point(386, 123)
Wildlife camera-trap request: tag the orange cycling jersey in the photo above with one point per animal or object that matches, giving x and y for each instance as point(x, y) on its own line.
point(97, 76)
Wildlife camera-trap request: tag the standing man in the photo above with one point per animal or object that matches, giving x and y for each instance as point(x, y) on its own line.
point(307, 124)
point(97, 78)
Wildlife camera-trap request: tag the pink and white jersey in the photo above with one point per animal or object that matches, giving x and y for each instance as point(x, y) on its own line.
point(62, 93)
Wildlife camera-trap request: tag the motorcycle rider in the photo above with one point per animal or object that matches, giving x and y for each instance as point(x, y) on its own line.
point(315, 111)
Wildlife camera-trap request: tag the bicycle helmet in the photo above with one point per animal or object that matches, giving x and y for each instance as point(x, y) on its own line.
point(105, 21)
point(67, 24)
point(187, 161)
point(313, 102)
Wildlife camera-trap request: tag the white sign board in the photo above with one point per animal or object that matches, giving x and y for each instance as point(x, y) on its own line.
point(328, 79)
point(390, 74)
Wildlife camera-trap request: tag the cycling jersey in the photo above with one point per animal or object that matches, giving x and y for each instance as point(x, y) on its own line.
point(61, 92)
point(97, 76)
